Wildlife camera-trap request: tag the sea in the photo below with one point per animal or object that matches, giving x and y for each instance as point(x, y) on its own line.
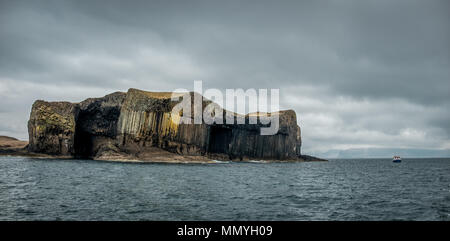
point(342, 189)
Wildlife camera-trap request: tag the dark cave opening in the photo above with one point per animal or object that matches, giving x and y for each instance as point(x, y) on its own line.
point(93, 122)
point(83, 144)
point(219, 139)
point(82, 139)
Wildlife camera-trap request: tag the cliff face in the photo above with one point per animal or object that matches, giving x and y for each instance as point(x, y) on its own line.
point(245, 141)
point(96, 124)
point(51, 127)
point(133, 124)
point(146, 120)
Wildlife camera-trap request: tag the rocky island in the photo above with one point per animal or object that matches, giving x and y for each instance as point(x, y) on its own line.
point(140, 126)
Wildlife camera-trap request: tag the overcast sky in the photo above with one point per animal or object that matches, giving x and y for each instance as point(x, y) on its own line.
point(365, 77)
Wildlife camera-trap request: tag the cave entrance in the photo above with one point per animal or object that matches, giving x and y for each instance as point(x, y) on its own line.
point(82, 144)
point(219, 139)
point(82, 138)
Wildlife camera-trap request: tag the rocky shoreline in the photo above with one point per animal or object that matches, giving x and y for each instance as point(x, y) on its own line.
point(142, 126)
point(10, 146)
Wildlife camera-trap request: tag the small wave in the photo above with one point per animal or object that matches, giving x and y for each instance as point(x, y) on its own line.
point(217, 161)
point(256, 161)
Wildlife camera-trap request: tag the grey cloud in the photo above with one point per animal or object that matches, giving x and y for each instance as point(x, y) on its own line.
point(371, 52)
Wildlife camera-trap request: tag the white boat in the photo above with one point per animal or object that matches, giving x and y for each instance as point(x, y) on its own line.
point(397, 159)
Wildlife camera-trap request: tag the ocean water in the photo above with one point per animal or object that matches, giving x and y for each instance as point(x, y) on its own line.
point(365, 189)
